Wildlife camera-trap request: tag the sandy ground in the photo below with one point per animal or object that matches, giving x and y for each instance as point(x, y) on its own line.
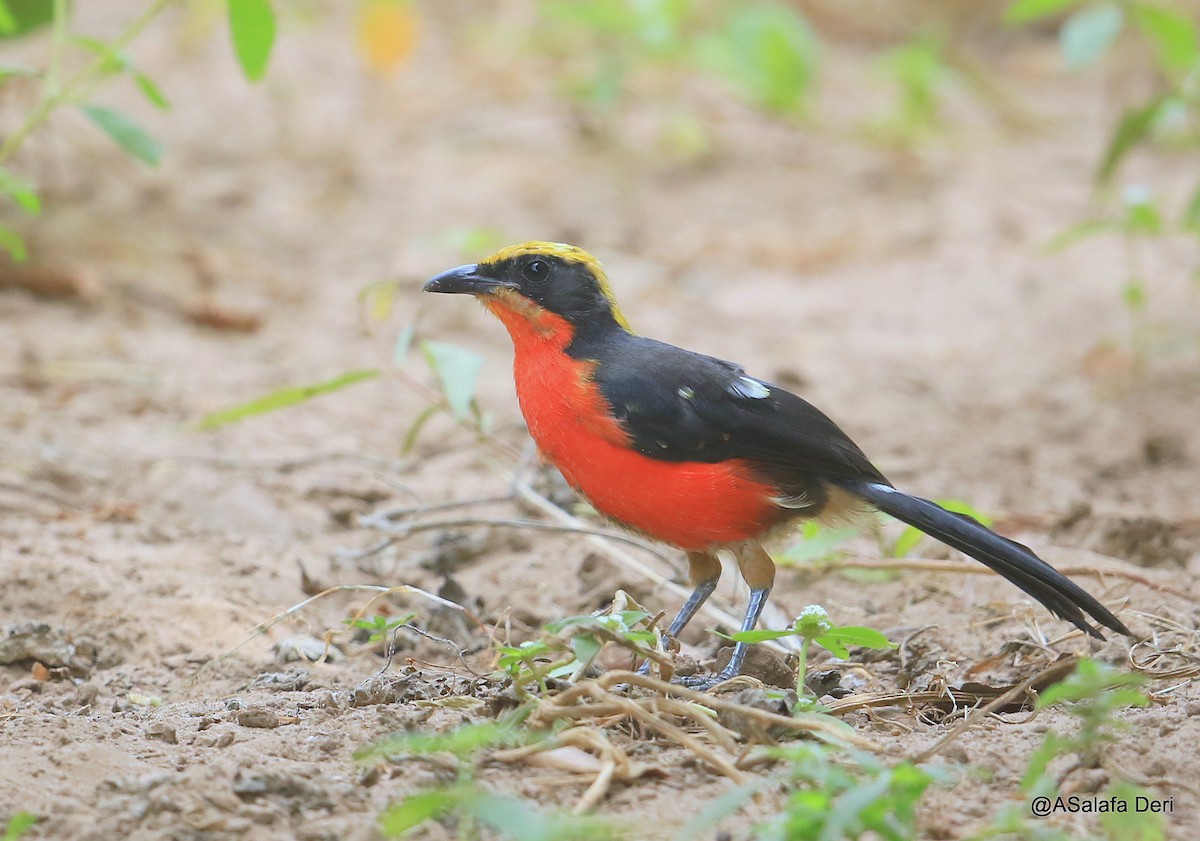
point(902, 291)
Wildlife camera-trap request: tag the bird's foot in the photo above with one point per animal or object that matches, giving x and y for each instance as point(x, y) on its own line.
point(702, 683)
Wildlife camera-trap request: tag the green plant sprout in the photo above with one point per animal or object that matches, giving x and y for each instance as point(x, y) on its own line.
point(1168, 117)
point(766, 51)
point(1136, 220)
point(1095, 692)
point(252, 29)
point(572, 647)
point(464, 799)
point(813, 626)
point(19, 824)
point(850, 798)
point(379, 627)
point(921, 73)
point(817, 543)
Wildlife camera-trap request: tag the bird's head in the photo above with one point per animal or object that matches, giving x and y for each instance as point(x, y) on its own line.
point(548, 289)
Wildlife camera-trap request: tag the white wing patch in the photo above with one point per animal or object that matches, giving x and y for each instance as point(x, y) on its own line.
point(751, 388)
point(793, 501)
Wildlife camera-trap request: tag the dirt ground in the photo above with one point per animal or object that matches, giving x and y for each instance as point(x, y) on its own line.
point(903, 291)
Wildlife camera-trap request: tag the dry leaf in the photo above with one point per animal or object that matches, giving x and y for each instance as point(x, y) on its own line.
point(387, 30)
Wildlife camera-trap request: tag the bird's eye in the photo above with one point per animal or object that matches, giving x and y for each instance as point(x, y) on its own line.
point(537, 270)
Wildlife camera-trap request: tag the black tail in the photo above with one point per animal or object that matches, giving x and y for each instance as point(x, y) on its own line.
point(1061, 596)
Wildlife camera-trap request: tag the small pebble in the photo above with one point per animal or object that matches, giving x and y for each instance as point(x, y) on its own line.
point(161, 730)
point(257, 717)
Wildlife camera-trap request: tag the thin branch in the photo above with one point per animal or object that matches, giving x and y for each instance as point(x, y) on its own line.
point(1051, 674)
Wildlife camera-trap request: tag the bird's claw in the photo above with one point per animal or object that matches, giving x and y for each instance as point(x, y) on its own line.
point(702, 683)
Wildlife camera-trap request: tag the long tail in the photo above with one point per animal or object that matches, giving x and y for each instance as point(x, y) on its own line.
point(1017, 563)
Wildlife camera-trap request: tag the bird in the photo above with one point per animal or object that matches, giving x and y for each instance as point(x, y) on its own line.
point(692, 451)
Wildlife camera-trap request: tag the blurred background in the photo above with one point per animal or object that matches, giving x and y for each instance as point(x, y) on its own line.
point(967, 231)
point(936, 220)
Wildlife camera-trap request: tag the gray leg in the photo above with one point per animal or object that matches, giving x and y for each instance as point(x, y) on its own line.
point(758, 600)
point(704, 570)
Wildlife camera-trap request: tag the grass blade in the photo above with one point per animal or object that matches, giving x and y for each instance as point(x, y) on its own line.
point(129, 135)
point(281, 399)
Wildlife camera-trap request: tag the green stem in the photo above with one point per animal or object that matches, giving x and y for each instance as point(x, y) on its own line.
point(801, 672)
point(52, 95)
point(57, 45)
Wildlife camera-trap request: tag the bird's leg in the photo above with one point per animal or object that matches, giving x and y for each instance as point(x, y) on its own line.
point(758, 569)
point(704, 571)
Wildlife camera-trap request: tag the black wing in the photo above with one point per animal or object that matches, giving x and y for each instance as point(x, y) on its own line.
point(682, 406)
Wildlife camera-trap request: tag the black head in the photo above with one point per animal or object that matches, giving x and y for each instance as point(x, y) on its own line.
point(559, 278)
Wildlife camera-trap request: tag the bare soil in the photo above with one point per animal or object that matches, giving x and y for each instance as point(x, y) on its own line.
point(903, 291)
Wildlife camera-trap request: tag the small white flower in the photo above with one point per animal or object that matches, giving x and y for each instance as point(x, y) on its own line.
point(814, 620)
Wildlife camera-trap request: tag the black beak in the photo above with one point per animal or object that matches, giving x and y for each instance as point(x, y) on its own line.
point(464, 280)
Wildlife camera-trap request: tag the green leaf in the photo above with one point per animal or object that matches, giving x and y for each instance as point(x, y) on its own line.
point(817, 544)
point(767, 50)
point(8, 23)
point(520, 819)
point(858, 636)
point(1191, 214)
point(760, 635)
point(1023, 11)
point(113, 60)
point(8, 71)
point(586, 647)
point(128, 134)
point(20, 191)
point(1172, 35)
point(20, 17)
point(415, 809)
point(1088, 33)
point(910, 537)
point(1078, 232)
point(907, 541)
point(151, 91)
point(727, 804)
point(1133, 127)
point(1134, 293)
point(11, 242)
point(282, 398)
point(20, 822)
point(1141, 216)
point(403, 344)
point(414, 431)
point(252, 27)
point(1093, 680)
point(462, 741)
point(1130, 824)
point(458, 371)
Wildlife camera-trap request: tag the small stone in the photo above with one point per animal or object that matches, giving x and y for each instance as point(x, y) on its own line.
point(161, 730)
point(258, 717)
point(1192, 708)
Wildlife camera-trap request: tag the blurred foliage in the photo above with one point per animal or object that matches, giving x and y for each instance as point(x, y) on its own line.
point(252, 28)
point(921, 73)
point(839, 798)
point(19, 824)
point(463, 801)
point(1167, 118)
point(1095, 693)
point(766, 51)
point(813, 625)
